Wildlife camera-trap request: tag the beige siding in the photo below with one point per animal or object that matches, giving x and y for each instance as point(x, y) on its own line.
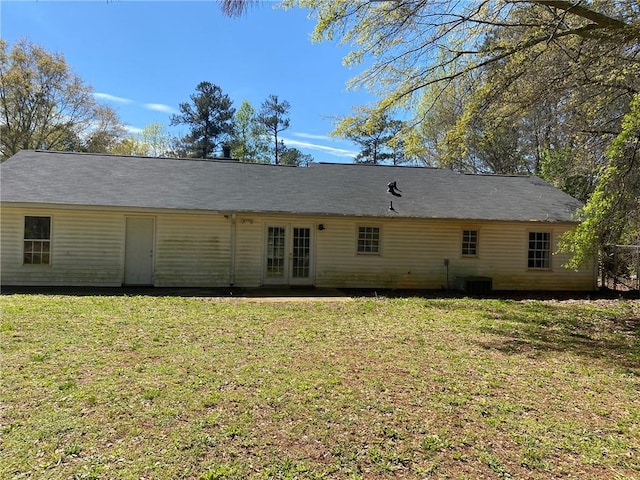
point(413, 255)
point(503, 256)
point(86, 248)
point(195, 249)
point(249, 251)
point(192, 250)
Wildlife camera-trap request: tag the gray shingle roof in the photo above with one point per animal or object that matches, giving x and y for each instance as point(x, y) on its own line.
point(324, 189)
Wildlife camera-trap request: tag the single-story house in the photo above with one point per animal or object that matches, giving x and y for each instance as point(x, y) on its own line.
point(70, 219)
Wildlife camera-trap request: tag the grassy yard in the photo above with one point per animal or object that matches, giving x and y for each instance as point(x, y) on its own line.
point(203, 388)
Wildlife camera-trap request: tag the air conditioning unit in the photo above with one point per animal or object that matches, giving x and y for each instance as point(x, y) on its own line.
point(474, 285)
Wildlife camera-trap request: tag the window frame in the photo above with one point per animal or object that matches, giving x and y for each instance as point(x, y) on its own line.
point(33, 241)
point(535, 258)
point(378, 229)
point(274, 271)
point(476, 243)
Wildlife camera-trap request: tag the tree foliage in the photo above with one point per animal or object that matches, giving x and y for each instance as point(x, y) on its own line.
point(155, 140)
point(293, 156)
point(376, 134)
point(411, 45)
point(612, 213)
point(250, 141)
point(152, 141)
point(209, 117)
point(44, 105)
point(273, 116)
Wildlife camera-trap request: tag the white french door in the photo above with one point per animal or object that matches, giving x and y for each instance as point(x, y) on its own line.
point(289, 255)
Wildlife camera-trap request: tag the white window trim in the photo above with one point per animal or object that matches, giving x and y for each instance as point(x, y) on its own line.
point(266, 251)
point(358, 227)
point(470, 255)
point(23, 239)
point(539, 269)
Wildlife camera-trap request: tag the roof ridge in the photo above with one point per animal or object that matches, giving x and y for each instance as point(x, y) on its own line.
point(149, 157)
point(365, 165)
point(237, 161)
point(515, 175)
point(94, 154)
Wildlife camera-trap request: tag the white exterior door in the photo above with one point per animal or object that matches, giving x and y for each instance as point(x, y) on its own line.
point(138, 253)
point(289, 255)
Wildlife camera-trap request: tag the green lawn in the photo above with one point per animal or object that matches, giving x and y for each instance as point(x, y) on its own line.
point(203, 388)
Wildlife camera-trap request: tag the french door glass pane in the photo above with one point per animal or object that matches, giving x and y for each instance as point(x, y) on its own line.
point(301, 252)
point(275, 252)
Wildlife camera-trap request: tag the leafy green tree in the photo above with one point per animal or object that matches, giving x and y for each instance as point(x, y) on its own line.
point(410, 45)
point(485, 145)
point(250, 141)
point(209, 117)
point(273, 116)
point(559, 167)
point(439, 108)
point(43, 105)
point(612, 213)
point(128, 146)
point(155, 140)
point(152, 141)
point(376, 134)
point(571, 105)
point(293, 156)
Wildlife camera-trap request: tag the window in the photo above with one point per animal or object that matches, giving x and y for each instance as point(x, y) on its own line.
point(469, 243)
point(539, 250)
point(275, 252)
point(301, 252)
point(37, 240)
point(368, 239)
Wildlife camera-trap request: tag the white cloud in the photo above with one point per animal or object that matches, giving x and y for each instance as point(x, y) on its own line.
point(313, 136)
point(156, 107)
point(338, 152)
point(111, 98)
point(133, 130)
point(160, 107)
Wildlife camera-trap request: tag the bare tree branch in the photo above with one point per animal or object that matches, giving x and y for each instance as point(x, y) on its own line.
point(575, 8)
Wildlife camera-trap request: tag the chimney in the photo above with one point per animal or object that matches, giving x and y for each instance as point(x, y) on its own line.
point(226, 151)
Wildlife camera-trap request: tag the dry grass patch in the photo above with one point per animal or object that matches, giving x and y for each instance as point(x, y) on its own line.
point(142, 387)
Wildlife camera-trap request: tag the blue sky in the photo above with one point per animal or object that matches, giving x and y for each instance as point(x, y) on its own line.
point(144, 58)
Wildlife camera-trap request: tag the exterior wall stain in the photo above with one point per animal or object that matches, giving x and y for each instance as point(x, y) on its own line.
point(194, 249)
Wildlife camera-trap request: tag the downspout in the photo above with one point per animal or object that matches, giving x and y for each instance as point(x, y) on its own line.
point(232, 266)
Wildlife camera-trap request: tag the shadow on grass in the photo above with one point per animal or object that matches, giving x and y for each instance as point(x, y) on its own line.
point(496, 294)
point(518, 322)
point(592, 324)
point(607, 333)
